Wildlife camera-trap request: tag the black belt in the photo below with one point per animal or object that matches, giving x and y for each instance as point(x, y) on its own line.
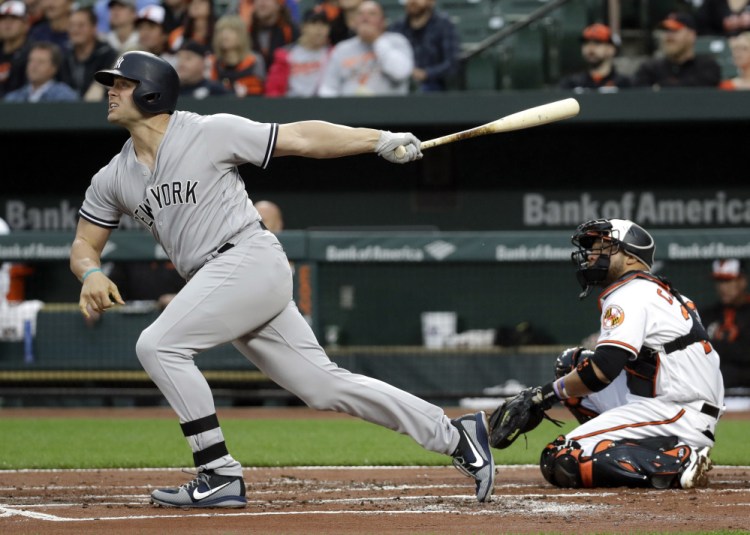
point(710, 410)
point(224, 248)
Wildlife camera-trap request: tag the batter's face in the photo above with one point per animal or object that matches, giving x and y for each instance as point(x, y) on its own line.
point(121, 108)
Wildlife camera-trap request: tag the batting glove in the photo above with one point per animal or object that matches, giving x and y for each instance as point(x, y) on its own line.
point(389, 142)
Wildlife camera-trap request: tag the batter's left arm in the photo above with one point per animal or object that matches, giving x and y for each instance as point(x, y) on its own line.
point(98, 292)
point(320, 139)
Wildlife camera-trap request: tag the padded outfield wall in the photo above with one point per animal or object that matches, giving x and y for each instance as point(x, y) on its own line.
point(673, 160)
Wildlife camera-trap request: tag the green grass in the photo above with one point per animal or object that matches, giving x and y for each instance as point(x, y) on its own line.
point(133, 443)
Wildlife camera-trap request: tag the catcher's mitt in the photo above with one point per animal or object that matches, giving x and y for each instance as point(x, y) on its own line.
point(519, 414)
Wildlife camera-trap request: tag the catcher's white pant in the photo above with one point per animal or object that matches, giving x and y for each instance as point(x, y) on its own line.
point(244, 296)
point(623, 415)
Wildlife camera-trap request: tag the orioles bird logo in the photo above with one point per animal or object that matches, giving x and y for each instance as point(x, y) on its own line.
point(613, 317)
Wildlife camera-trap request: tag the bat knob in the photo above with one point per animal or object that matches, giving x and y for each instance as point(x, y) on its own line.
point(400, 151)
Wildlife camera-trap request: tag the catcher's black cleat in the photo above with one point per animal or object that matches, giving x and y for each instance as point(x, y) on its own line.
point(473, 456)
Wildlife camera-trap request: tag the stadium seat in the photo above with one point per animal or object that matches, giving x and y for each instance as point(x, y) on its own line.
point(522, 59)
point(480, 72)
point(718, 47)
point(473, 18)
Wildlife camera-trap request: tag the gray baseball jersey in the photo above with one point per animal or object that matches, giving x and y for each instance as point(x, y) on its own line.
point(195, 200)
point(194, 203)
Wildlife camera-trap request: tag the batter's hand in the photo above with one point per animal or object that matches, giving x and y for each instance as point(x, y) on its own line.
point(98, 293)
point(389, 142)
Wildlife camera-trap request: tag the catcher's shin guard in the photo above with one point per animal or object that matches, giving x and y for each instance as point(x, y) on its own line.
point(652, 463)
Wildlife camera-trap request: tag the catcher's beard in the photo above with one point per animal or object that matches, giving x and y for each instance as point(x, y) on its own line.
point(590, 275)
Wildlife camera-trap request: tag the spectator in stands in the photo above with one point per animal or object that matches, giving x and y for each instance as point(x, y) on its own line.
point(375, 62)
point(175, 14)
point(723, 17)
point(272, 28)
point(86, 56)
point(42, 68)
point(192, 62)
point(241, 70)
point(122, 35)
point(342, 14)
point(297, 69)
point(245, 9)
point(14, 45)
point(152, 34)
point(740, 46)
point(34, 12)
point(101, 8)
point(728, 321)
point(54, 27)
point(598, 50)
point(680, 66)
point(435, 42)
point(270, 214)
point(198, 25)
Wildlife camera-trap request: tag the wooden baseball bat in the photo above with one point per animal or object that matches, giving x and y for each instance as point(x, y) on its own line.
point(547, 113)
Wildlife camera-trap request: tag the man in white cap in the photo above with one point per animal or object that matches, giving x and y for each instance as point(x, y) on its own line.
point(14, 45)
point(152, 33)
point(728, 321)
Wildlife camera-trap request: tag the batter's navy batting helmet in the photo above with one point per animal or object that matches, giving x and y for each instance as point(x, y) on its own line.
point(158, 83)
point(616, 234)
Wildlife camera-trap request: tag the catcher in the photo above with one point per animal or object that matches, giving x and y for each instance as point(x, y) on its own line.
point(648, 398)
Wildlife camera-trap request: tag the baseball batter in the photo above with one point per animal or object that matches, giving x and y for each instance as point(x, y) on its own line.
point(177, 175)
point(650, 395)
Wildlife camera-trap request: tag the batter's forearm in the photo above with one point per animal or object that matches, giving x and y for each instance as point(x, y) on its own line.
point(320, 139)
point(83, 257)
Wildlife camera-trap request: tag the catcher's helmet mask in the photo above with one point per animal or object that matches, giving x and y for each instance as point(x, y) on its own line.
point(158, 83)
point(613, 235)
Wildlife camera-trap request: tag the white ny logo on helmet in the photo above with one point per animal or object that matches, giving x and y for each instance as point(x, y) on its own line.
point(119, 61)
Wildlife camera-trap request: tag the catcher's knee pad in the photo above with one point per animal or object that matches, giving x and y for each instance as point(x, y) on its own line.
point(625, 463)
point(559, 463)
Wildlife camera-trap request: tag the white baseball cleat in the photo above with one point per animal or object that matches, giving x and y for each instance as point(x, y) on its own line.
point(695, 473)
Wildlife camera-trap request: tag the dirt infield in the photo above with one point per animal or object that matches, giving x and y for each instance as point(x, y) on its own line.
point(317, 500)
